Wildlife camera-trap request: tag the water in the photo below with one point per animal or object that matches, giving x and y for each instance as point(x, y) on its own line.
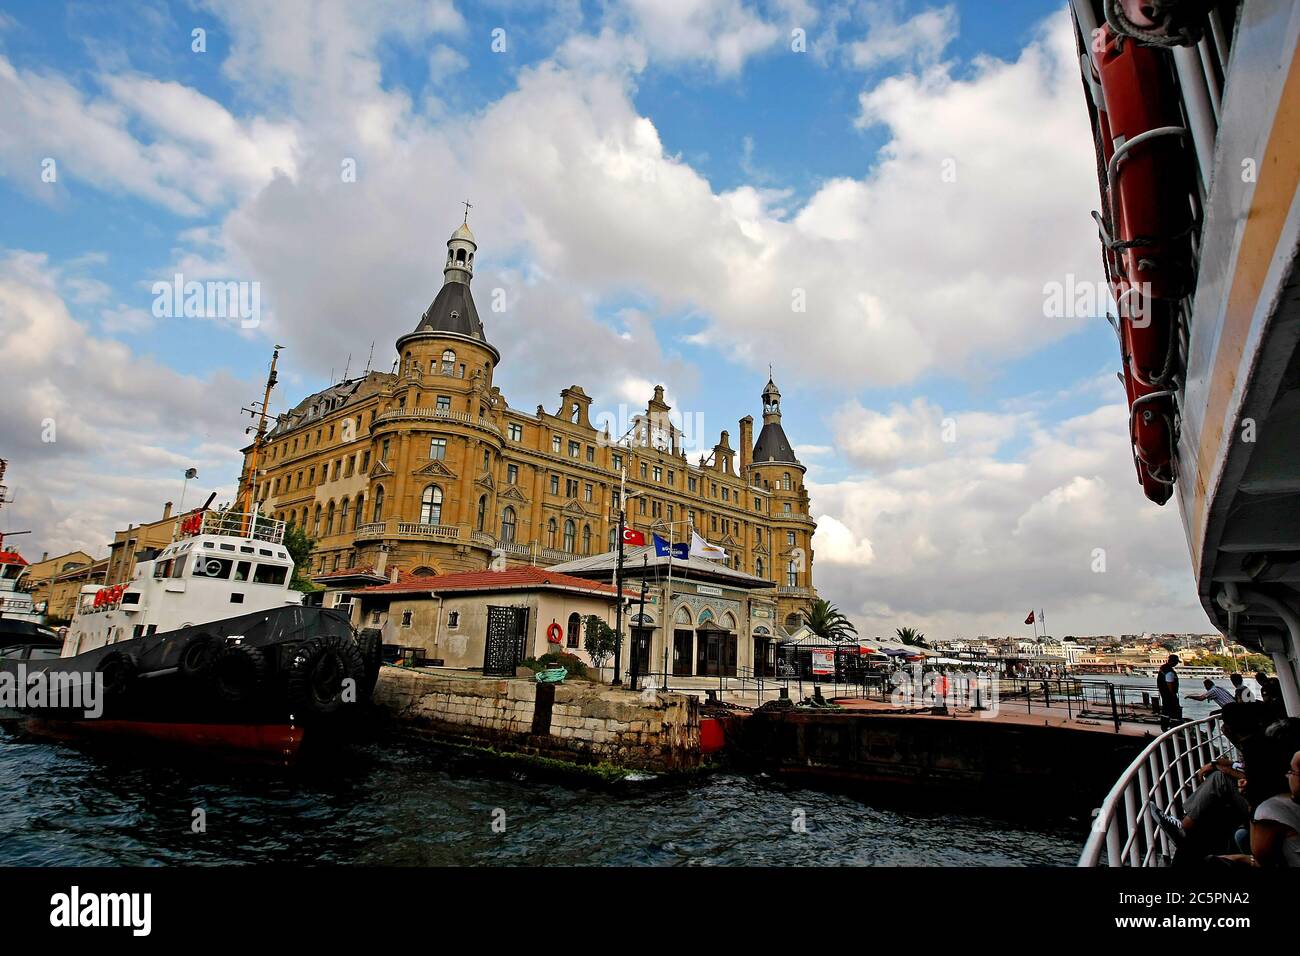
point(408, 804)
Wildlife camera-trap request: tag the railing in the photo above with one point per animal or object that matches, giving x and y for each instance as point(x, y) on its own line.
point(240, 524)
point(1163, 775)
point(440, 532)
point(439, 413)
point(374, 529)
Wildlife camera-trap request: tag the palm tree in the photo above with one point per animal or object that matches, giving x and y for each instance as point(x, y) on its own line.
point(910, 635)
point(825, 620)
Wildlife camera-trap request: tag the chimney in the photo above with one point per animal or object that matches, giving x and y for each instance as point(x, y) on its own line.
point(746, 443)
point(392, 574)
point(45, 556)
point(381, 562)
point(167, 511)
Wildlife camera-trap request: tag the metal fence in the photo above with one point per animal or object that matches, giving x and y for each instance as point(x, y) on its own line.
point(1164, 775)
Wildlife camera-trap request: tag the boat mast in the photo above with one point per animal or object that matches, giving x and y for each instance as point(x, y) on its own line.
point(258, 411)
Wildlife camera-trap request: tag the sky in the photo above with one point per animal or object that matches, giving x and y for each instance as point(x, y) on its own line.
point(887, 202)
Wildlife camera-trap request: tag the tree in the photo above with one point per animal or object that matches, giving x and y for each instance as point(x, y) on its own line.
point(300, 547)
point(825, 620)
point(599, 641)
point(910, 635)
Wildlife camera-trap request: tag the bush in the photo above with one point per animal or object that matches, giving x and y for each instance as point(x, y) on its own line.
point(569, 662)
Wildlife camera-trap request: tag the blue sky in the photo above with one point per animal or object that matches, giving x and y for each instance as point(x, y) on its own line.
point(653, 179)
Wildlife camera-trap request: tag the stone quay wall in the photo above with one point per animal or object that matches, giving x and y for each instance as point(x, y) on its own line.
point(576, 721)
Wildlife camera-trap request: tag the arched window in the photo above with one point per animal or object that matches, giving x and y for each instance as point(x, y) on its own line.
point(460, 255)
point(792, 621)
point(758, 567)
point(424, 571)
point(304, 519)
point(550, 532)
point(431, 505)
point(575, 626)
point(586, 539)
point(570, 536)
point(343, 515)
point(359, 516)
point(481, 517)
point(613, 538)
point(315, 528)
point(792, 574)
point(379, 504)
point(785, 481)
point(448, 362)
point(508, 526)
point(683, 616)
point(729, 621)
point(329, 520)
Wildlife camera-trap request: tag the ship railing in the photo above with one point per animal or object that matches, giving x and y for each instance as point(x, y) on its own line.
point(242, 524)
point(1163, 775)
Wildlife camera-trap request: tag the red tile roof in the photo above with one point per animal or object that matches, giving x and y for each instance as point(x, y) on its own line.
point(526, 578)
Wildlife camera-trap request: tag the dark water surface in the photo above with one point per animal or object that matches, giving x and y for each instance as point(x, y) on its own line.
point(408, 804)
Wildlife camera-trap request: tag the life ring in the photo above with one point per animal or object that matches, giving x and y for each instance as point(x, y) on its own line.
point(554, 633)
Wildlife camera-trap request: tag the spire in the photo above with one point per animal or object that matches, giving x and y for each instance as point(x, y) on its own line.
point(772, 445)
point(460, 253)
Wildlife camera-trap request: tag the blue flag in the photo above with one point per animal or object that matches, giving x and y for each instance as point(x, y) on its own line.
point(679, 551)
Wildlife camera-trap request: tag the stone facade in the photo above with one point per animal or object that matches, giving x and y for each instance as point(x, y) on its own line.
point(588, 723)
point(427, 467)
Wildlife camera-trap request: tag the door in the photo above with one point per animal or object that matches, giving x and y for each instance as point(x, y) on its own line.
point(504, 647)
point(682, 641)
point(641, 646)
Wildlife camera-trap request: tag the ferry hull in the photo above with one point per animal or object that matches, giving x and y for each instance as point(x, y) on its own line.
point(269, 743)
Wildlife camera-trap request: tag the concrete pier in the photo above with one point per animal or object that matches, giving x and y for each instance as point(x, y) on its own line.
point(575, 721)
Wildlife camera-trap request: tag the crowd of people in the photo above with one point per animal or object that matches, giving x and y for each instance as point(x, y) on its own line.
point(1246, 807)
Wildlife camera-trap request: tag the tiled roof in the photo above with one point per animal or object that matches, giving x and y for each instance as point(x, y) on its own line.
point(527, 578)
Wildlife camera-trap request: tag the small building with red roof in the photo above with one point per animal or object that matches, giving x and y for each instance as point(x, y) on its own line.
point(486, 619)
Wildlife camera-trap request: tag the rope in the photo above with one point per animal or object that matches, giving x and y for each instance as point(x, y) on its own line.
point(1188, 33)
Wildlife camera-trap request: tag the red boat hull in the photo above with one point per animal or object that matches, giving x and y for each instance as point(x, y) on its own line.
point(272, 743)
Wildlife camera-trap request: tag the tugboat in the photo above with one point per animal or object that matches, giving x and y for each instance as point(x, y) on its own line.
point(162, 657)
point(207, 646)
point(15, 602)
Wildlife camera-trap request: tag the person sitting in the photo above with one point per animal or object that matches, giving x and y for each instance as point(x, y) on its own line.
point(1217, 808)
point(1213, 693)
point(1275, 823)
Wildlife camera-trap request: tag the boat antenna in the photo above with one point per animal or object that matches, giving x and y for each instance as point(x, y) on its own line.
point(258, 411)
point(346, 366)
point(370, 356)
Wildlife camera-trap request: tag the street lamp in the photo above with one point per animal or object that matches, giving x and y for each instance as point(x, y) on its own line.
point(623, 497)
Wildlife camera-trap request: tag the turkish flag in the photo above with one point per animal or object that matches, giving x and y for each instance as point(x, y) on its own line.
point(631, 536)
point(1030, 619)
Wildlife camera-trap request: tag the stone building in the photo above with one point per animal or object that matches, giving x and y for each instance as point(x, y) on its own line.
point(429, 469)
point(129, 543)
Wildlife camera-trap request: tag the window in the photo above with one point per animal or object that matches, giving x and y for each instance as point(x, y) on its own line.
point(690, 483)
point(329, 520)
point(726, 493)
point(555, 484)
point(575, 625)
point(672, 477)
point(758, 504)
point(555, 444)
point(591, 453)
point(315, 528)
point(575, 449)
point(431, 505)
point(570, 487)
point(343, 515)
point(448, 362)
point(406, 618)
point(789, 538)
point(270, 574)
point(383, 451)
point(516, 431)
point(365, 460)
point(311, 477)
point(713, 488)
point(618, 462)
point(438, 449)
point(659, 473)
point(792, 575)
point(508, 526)
point(487, 458)
point(349, 466)
point(643, 470)
point(785, 481)
point(453, 620)
point(444, 403)
point(586, 491)
point(786, 508)
point(586, 539)
point(758, 567)
point(361, 510)
point(379, 504)
point(512, 474)
point(480, 517)
point(570, 535)
point(550, 532)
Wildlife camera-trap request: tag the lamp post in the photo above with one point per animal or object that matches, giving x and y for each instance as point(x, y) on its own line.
point(640, 616)
point(618, 577)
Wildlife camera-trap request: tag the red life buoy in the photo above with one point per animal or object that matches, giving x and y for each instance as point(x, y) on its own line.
point(554, 633)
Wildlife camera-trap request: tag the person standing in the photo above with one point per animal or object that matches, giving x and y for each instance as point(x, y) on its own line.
point(1241, 690)
point(1171, 710)
point(1216, 695)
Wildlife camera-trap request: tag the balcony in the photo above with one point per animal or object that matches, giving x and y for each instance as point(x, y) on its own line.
point(786, 591)
point(409, 530)
point(437, 414)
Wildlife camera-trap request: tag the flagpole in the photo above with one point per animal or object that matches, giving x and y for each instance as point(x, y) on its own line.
point(667, 612)
point(618, 579)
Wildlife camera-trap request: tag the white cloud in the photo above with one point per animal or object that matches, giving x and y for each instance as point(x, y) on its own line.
point(723, 33)
point(917, 41)
point(968, 541)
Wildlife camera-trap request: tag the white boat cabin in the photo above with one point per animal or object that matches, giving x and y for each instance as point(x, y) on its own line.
point(219, 565)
